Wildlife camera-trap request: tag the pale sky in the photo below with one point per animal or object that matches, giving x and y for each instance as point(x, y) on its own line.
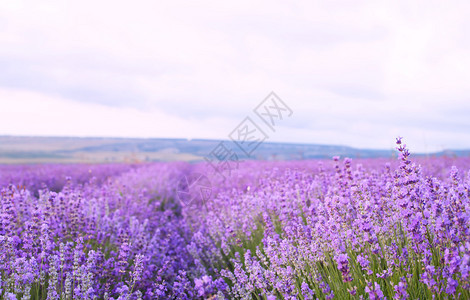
point(355, 73)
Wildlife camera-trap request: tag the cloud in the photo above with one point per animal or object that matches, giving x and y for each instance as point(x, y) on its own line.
point(356, 73)
point(31, 113)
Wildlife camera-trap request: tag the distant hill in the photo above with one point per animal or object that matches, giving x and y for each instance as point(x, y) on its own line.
point(14, 149)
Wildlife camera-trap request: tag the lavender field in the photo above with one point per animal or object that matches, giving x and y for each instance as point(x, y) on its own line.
point(318, 229)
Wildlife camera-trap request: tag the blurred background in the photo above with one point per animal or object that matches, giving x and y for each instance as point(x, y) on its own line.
point(106, 75)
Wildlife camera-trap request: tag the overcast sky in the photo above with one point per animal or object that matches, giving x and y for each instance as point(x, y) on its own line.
point(354, 73)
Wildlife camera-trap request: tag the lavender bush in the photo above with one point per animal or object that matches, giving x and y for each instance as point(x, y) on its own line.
point(339, 229)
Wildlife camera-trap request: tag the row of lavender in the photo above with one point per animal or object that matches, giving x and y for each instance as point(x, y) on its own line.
point(366, 230)
point(53, 176)
point(287, 230)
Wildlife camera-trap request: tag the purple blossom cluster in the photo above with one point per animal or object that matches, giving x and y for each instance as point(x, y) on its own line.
point(332, 229)
point(123, 237)
point(366, 230)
